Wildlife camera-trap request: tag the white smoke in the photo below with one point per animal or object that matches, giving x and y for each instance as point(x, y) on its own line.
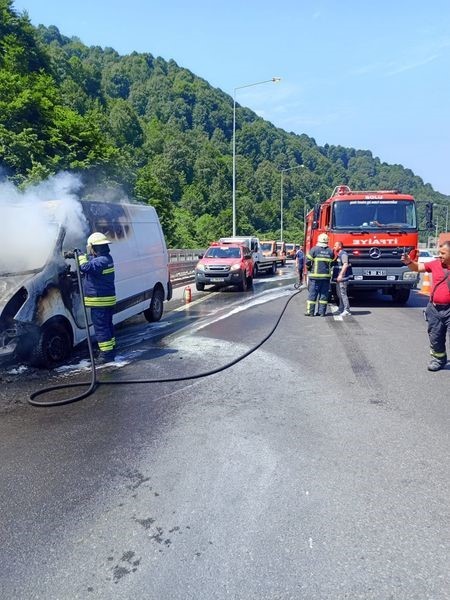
point(31, 220)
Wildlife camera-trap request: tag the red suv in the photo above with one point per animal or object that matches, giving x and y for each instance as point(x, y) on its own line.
point(222, 265)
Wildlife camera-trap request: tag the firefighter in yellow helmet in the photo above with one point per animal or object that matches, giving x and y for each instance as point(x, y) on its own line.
point(319, 262)
point(99, 291)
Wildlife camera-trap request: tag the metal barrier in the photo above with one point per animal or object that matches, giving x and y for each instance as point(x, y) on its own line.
point(183, 255)
point(182, 264)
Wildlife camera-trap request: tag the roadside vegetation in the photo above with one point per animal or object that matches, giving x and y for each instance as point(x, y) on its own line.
point(146, 128)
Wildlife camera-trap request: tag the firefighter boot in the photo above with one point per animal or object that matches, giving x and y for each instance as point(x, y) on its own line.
point(436, 364)
point(105, 357)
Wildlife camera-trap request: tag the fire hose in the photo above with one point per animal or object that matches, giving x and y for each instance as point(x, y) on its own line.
point(95, 383)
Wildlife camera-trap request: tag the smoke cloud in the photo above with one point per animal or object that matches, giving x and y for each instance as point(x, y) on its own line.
point(31, 220)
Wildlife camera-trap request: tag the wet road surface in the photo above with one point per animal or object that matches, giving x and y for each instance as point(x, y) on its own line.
point(316, 468)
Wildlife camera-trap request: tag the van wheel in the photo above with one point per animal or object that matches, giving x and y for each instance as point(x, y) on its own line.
point(53, 346)
point(155, 311)
point(199, 287)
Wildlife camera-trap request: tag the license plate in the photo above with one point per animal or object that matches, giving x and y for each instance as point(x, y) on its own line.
point(374, 272)
point(217, 279)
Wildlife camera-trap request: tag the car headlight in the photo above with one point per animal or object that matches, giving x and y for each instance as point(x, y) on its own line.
point(200, 267)
point(410, 275)
point(235, 267)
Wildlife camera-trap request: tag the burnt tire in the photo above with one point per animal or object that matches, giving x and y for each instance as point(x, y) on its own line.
point(155, 311)
point(53, 346)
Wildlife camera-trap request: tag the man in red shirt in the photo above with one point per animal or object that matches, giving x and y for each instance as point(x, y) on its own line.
point(438, 309)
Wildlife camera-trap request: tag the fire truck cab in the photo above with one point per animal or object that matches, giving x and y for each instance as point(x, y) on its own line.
point(375, 227)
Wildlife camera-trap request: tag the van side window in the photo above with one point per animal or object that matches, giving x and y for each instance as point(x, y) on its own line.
point(109, 219)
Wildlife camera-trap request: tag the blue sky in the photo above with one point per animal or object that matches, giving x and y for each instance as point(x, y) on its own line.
point(368, 75)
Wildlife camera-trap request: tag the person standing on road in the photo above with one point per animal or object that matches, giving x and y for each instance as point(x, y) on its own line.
point(437, 312)
point(342, 272)
point(99, 292)
point(300, 263)
point(319, 264)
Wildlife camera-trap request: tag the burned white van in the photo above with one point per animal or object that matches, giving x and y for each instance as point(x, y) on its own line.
point(41, 310)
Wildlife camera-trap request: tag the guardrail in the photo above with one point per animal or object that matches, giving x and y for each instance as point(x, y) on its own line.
point(182, 264)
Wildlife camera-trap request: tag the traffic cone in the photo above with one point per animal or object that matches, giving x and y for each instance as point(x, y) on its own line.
point(426, 284)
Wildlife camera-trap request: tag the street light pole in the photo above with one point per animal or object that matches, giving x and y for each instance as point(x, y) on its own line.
point(240, 87)
point(281, 196)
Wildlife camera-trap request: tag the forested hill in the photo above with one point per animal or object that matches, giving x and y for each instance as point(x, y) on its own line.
point(148, 128)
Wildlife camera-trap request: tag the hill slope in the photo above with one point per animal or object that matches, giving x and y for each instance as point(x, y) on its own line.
point(144, 127)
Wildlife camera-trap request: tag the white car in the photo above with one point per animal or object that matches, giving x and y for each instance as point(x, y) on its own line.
point(425, 256)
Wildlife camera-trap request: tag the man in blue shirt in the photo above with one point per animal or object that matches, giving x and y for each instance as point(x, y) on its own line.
point(342, 272)
point(300, 262)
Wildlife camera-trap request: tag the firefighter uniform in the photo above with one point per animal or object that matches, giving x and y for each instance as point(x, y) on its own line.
point(100, 294)
point(319, 264)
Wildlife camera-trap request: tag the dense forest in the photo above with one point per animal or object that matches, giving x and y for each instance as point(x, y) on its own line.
point(144, 128)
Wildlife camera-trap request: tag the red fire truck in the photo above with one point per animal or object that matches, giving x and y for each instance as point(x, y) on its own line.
point(376, 228)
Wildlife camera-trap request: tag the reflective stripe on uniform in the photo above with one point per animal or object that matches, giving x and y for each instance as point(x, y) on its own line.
point(99, 301)
point(108, 345)
point(438, 354)
point(108, 271)
point(317, 261)
point(82, 259)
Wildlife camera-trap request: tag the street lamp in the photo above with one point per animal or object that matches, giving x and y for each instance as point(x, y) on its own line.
point(240, 87)
point(281, 197)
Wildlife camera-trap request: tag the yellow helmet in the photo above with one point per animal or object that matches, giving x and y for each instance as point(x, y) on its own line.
point(323, 238)
point(97, 239)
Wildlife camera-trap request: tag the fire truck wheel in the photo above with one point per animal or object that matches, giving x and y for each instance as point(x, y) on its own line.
point(155, 311)
point(401, 296)
point(53, 346)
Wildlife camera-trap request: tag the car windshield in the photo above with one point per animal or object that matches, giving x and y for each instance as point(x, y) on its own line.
point(374, 214)
point(28, 240)
point(223, 252)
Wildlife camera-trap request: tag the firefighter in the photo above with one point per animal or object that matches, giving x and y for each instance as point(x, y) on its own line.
point(319, 264)
point(437, 312)
point(97, 267)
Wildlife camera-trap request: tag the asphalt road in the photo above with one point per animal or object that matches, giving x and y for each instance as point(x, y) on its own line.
point(316, 468)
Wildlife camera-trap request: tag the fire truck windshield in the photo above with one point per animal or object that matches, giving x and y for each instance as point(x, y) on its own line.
point(374, 214)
